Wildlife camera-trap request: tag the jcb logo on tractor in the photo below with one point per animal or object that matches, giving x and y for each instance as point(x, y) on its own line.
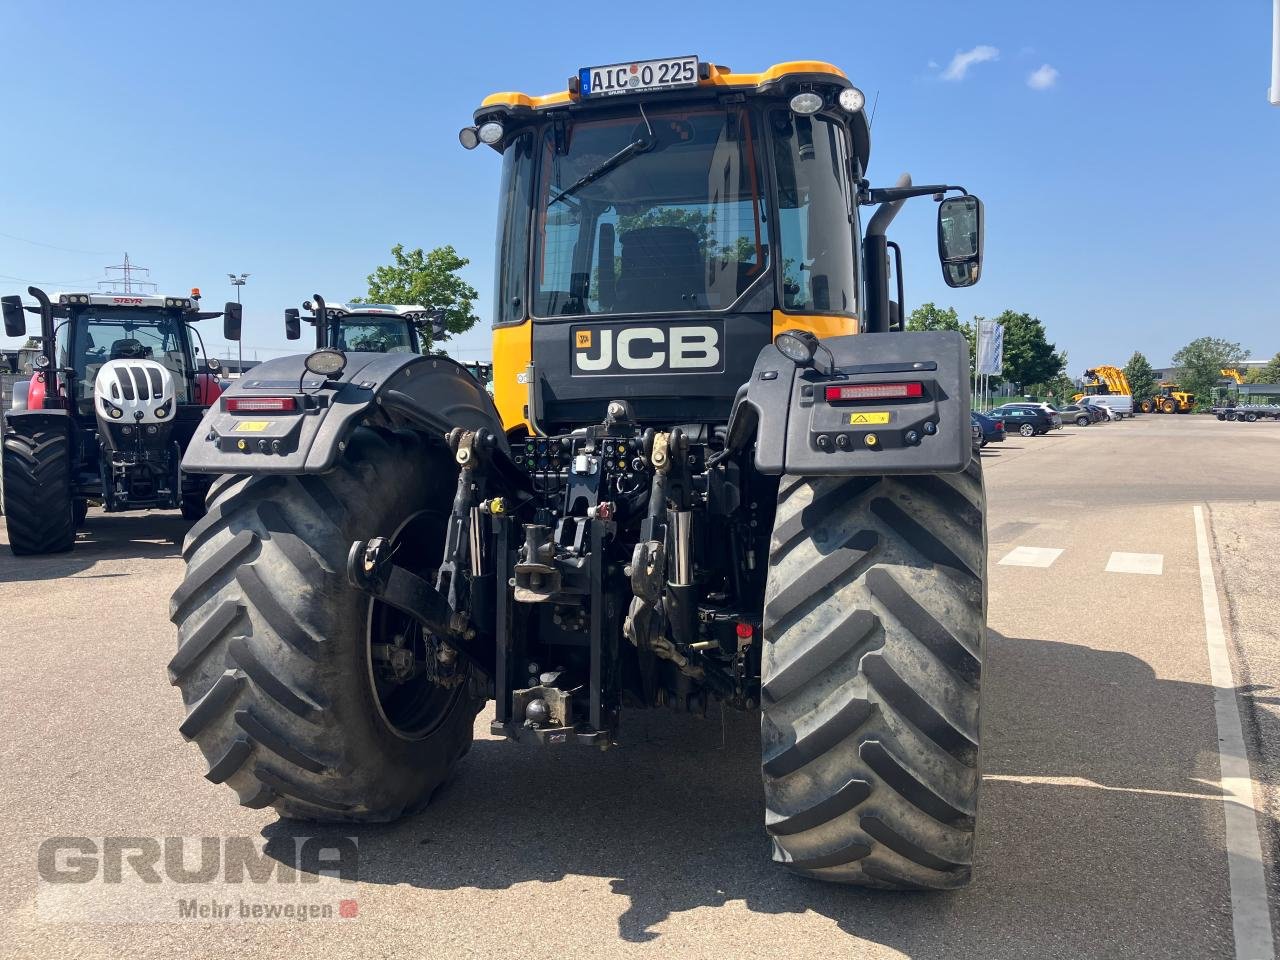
point(669, 348)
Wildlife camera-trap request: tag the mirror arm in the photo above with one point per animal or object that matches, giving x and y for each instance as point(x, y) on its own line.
point(898, 194)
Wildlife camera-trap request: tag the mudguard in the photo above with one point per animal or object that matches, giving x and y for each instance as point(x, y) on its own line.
point(27, 423)
point(433, 394)
point(803, 423)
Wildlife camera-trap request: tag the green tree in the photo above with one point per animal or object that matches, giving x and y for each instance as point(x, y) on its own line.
point(1141, 376)
point(1201, 363)
point(430, 279)
point(928, 316)
point(1029, 357)
point(1268, 374)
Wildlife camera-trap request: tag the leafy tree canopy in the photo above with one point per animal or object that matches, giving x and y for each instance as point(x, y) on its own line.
point(430, 279)
point(1268, 374)
point(1201, 363)
point(1141, 376)
point(1029, 357)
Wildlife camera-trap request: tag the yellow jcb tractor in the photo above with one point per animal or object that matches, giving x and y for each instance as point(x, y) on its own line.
point(709, 472)
point(1169, 400)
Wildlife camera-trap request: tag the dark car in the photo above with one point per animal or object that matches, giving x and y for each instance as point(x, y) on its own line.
point(1079, 415)
point(1026, 421)
point(992, 427)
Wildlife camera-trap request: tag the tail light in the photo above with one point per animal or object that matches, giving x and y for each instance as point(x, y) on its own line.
point(875, 391)
point(261, 404)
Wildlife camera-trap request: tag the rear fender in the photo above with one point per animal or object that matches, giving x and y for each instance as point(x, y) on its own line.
point(798, 431)
point(432, 394)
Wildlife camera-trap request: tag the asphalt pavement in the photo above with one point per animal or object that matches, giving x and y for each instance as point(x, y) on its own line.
point(1102, 830)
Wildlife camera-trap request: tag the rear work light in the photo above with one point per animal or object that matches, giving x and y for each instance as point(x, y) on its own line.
point(875, 391)
point(261, 404)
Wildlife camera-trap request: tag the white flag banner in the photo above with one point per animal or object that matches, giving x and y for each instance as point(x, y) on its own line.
point(990, 347)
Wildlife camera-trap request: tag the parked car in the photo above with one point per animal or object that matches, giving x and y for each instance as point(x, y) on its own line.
point(1048, 408)
point(1107, 412)
point(1027, 419)
point(992, 427)
point(1055, 419)
point(976, 431)
point(1121, 403)
point(1095, 410)
point(1080, 415)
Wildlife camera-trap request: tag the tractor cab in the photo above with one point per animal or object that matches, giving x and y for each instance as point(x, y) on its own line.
point(662, 221)
point(363, 327)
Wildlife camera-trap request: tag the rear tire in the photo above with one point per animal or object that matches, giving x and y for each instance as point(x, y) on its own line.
point(875, 611)
point(37, 492)
point(1027, 430)
point(273, 657)
point(1082, 421)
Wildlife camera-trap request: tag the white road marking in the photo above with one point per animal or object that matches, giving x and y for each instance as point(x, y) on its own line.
point(1094, 785)
point(1031, 557)
point(1149, 563)
point(1250, 917)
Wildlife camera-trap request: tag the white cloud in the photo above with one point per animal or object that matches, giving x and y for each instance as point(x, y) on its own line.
point(964, 59)
point(933, 64)
point(1043, 78)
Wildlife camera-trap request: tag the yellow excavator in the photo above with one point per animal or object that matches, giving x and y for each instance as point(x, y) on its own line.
point(1103, 381)
point(1231, 373)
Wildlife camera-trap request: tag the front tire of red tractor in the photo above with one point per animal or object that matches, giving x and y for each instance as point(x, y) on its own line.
point(874, 618)
point(274, 660)
point(37, 493)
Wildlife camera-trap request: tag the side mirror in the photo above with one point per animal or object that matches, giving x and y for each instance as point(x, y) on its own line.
point(15, 321)
point(232, 314)
point(292, 324)
point(960, 228)
point(439, 326)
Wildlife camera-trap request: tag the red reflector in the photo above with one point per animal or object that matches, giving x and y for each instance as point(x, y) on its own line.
point(261, 404)
point(875, 391)
point(745, 630)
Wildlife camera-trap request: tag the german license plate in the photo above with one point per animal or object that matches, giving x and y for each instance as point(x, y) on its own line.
point(642, 76)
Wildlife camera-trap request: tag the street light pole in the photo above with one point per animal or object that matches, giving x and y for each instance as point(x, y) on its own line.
point(238, 282)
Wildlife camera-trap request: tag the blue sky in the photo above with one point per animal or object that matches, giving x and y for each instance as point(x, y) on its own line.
point(1130, 187)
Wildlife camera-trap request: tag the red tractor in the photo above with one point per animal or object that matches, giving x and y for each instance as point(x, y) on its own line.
point(115, 397)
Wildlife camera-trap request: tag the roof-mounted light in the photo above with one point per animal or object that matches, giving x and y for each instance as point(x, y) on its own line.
point(807, 103)
point(469, 137)
point(490, 132)
point(852, 99)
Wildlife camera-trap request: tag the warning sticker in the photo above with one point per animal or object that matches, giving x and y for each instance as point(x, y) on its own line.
point(869, 417)
point(582, 339)
point(252, 426)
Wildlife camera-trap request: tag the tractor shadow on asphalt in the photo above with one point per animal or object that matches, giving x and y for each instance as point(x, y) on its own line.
point(1100, 833)
point(121, 536)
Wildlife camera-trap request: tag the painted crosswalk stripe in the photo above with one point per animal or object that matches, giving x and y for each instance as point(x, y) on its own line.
point(1148, 563)
point(1031, 557)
